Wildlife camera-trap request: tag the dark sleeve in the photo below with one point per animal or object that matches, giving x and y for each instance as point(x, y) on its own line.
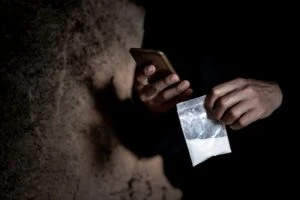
point(282, 61)
point(140, 131)
point(282, 78)
point(276, 56)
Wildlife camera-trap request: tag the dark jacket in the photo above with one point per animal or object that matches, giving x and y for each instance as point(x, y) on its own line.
point(209, 44)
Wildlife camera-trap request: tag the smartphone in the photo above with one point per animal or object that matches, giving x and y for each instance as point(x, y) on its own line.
point(144, 57)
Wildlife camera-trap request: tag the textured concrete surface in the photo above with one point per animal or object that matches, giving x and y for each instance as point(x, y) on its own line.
point(56, 142)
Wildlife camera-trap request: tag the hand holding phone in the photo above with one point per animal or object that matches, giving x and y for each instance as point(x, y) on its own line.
point(156, 82)
point(146, 57)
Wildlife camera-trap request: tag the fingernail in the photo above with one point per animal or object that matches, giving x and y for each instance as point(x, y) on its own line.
point(150, 68)
point(233, 127)
point(184, 85)
point(174, 78)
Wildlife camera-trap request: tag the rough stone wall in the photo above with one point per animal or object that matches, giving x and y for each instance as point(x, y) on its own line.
point(55, 139)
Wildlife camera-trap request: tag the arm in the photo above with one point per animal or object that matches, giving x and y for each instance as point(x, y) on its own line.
point(268, 62)
point(144, 122)
point(264, 92)
point(241, 102)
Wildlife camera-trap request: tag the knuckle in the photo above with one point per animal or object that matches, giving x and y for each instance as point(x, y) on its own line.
point(143, 98)
point(215, 91)
point(161, 84)
point(179, 89)
point(223, 102)
point(241, 80)
point(250, 90)
point(256, 101)
point(233, 114)
point(242, 122)
point(262, 112)
point(164, 96)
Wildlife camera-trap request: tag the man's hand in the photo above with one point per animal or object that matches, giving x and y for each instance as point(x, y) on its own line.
point(163, 94)
point(240, 102)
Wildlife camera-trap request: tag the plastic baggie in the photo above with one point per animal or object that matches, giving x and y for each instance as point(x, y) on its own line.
point(204, 136)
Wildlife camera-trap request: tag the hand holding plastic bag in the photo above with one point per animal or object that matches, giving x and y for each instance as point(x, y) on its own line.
point(204, 136)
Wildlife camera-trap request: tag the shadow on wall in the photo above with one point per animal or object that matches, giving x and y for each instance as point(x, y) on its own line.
point(58, 64)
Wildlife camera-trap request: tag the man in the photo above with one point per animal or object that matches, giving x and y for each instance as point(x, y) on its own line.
point(236, 56)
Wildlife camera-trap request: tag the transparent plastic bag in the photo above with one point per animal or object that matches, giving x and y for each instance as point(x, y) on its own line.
point(204, 136)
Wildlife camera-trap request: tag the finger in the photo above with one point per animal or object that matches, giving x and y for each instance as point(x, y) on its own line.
point(246, 119)
point(182, 97)
point(144, 74)
point(159, 86)
point(224, 103)
point(237, 111)
point(222, 90)
point(173, 92)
